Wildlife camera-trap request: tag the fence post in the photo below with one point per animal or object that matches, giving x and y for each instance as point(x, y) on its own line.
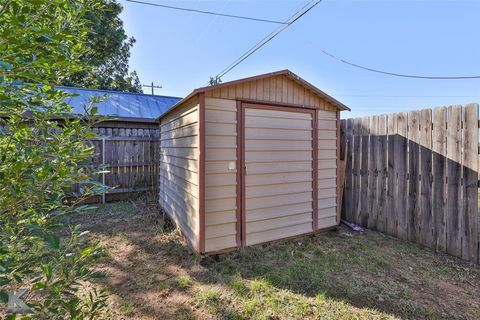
point(103, 167)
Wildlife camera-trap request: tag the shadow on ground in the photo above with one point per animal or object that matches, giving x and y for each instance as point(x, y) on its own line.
point(152, 274)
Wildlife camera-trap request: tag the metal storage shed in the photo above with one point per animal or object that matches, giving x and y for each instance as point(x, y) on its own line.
point(251, 161)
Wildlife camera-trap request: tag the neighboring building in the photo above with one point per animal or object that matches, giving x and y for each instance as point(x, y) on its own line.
point(123, 106)
point(251, 161)
point(127, 142)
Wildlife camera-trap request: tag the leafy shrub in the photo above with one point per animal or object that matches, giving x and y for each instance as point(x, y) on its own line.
point(44, 150)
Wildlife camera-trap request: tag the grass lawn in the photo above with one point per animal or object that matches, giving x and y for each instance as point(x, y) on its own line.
point(151, 274)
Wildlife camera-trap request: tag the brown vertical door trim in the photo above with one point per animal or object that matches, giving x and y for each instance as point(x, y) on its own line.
point(315, 168)
point(339, 187)
point(201, 171)
point(239, 189)
point(243, 172)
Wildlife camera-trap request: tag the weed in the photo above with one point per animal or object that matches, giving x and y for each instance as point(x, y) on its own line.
point(126, 308)
point(238, 286)
point(184, 282)
point(163, 285)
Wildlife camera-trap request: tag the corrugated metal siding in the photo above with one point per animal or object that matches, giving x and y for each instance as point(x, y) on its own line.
point(179, 157)
point(327, 169)
point(221, 174)
point(120, 104)
point(278, 174)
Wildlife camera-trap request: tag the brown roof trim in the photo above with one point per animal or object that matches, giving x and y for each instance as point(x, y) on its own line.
point(285, 72)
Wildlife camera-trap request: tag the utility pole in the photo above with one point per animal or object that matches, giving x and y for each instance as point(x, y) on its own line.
point(152, 86)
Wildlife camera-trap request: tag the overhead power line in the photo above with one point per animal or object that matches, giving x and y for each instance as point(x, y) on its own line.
point(297, 15)
point(395, 74)
point(205, 12)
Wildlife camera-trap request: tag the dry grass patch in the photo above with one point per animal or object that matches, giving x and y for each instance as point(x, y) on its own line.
point(151, 274)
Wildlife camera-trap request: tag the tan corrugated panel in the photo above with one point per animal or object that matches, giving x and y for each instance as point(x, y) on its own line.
point(178, 194)
point(280, 167)
point(326, 115)
point(216, 115)
point(180, 142)
point(216, 167)
point(220, 129)
point(219, 142)
point(277, 145)
point(253, 121)
point(187, 164)
point(221, 230)
point(278, 174)
point(224, 217)
point(184, 153)
point(326, 144)
point(327, 164)
point(279, 114)
point(167, 169)
point(327, 169)
point(327, 154)
point(220, 175)
point(220, 154)
point(279, 233)
point(327, 124)
point(327, 134)
point(221, 192)
point(271, 156)
point(327, 212)
point(327, 222)
point(275, 189)
point(278, 222)
point(220, 179)
point(219, 243)
point(279, 134)
point(254, 202)
point(279, 211)
point(218, 205)
point(276, 178)
point(327, 183)
point(327, 202)
point(327, 193)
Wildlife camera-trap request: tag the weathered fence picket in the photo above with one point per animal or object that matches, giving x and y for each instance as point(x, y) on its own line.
point(415, 176)
point(131, 159)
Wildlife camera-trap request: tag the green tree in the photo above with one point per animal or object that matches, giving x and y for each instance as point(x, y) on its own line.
point(108, 53)
point(43, 151)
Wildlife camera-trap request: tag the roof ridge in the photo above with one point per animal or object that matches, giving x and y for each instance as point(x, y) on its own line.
point(117, 92)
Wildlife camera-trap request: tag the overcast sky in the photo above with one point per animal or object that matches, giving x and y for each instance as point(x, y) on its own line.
point(181, 50)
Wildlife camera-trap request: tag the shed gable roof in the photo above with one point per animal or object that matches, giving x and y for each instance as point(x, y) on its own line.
point(227, 89)
point(287, 73)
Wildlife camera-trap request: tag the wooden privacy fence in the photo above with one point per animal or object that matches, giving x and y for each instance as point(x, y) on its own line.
point(131, 158)
point(414, 175)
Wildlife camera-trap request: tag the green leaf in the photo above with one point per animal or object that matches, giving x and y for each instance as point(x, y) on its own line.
point(53, 240)
point(47, 270)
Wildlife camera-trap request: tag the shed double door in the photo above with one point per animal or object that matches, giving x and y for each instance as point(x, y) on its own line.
point(277, 173)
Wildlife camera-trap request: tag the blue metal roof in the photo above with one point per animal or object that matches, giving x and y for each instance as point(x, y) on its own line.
point(120, 104)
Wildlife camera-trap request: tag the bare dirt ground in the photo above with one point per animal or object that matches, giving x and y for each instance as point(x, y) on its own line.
point(150, 273)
